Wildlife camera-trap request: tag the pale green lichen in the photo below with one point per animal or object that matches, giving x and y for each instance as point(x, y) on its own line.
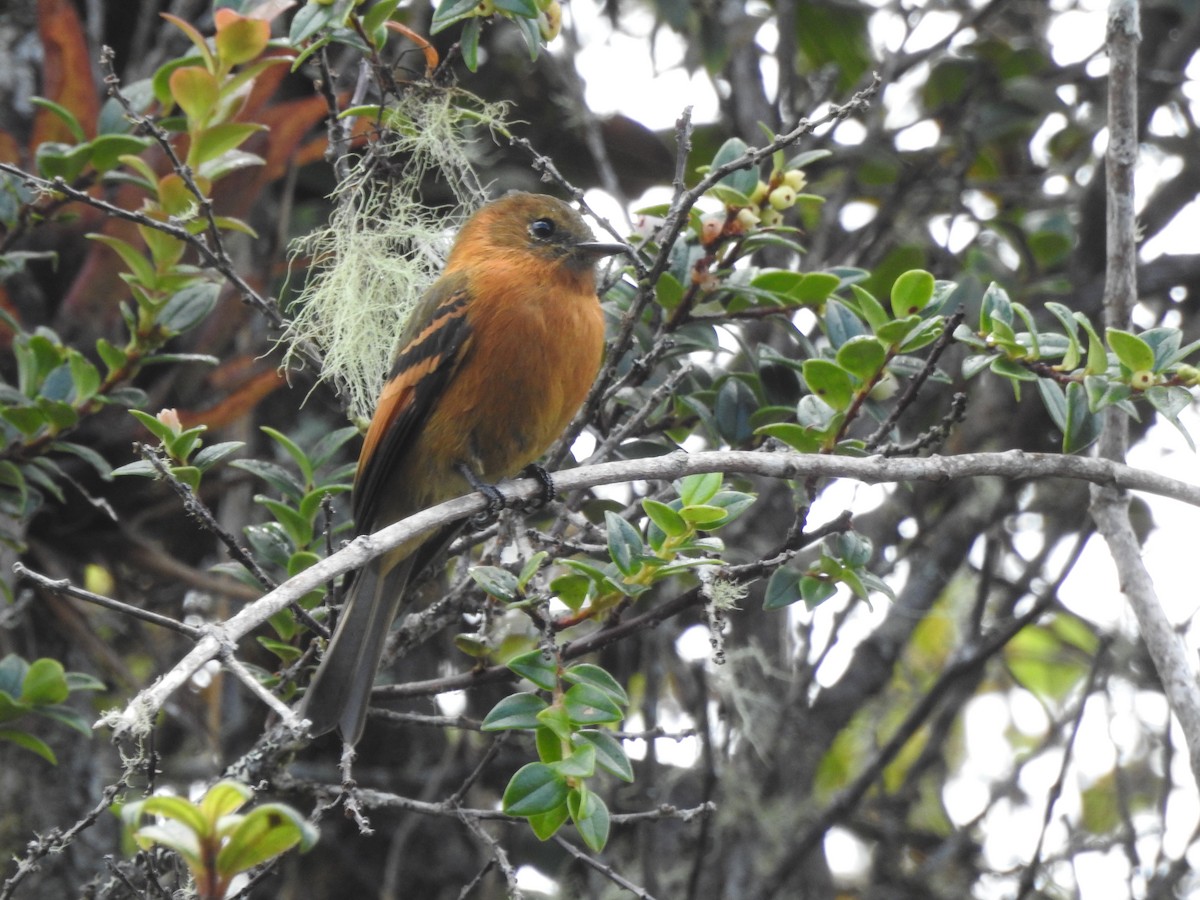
point(382, 247)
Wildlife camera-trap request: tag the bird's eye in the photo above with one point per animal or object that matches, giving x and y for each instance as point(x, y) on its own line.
point(542, 229)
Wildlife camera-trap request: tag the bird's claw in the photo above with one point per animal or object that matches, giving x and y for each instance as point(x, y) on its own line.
point(546, 480)
point(495, 499)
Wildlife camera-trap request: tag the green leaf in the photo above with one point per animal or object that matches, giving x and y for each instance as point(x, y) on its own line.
point(525, 8)
point(298, 528)
point(449, 12)
point(815, 591)
point(537, 668)
point(1132, 352)
point(783, 589)
point(469, 43)
point(580, 764)
point(293, 450)
point(668, 291)
point(587, 673)
point(45, 683)
point(64, 114)
point(996, 307)
point(698, 489)
point(798, 437)
point(670, 521)
point(862, 356)
point(624, 543)
point(871, 309)
point(1083, 426)
point(535, 789)
point(1169, 400)
point(531, 568)
point(911, 292)
point(497, 582)
point(189, 307)
point(177, 809)
point(829, 381)
point(28, 742)
point(841, 323)
point(610, 755)
point(223, 798)
point(211, 142)
point(262, 834)
point(587, 704)
point(213, 454)
point(133, 258)
point(196, 90)
point(744, 181)
point(546, 825)
point(736, 403)
point(107, 150)
point(517, 711)
point(590, 816)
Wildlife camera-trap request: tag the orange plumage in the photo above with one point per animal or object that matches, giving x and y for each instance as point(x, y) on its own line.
point(493, 363)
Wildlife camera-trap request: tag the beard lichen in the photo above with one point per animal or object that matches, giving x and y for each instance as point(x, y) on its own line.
point(382, 247)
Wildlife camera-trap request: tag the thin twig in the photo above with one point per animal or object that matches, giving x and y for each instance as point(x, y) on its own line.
point(63, 586)
point(604, 869)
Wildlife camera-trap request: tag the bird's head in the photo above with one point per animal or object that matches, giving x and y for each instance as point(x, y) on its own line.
point(542, 226)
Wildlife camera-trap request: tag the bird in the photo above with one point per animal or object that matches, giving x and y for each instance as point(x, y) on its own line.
point(491, 367)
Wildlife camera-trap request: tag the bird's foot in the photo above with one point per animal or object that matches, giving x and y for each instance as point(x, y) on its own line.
point(546, 480)
point(495, 499)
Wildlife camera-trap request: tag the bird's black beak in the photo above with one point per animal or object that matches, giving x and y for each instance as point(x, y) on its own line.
point(600, 248)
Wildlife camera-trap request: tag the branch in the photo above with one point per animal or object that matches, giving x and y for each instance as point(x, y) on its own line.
point(1110, 508)
point(1014, 464)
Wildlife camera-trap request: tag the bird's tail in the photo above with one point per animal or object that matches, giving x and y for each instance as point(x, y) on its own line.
point(341, 689)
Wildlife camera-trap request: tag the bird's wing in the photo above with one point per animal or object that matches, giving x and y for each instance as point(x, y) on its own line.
point(432, 346)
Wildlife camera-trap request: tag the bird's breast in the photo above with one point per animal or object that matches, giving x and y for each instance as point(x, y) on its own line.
point(536, 349)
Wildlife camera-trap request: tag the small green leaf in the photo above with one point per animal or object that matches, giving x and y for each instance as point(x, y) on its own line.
point(293, 450)
point(189, 307)
point(64, 114)
point(196, 90)
point(497, 582)
point(815, 591)
point(535, 789)
point(610, 755)
point(580, 764)
point(624, 543)
point(869, 308)
point(1133, 353)
point(587, 704)
point(546, 825)
point(670, 521)
point(298, 528)
point(587, 673)
point(45, 683)
point(211, 142)
point(517, 711)
point(223, 798)
point(450, 11)
point(798, 437)
point(744, 180)
point(1083, 426)
point(591, 817)
point(862, 356)
point(536, 667)
point(28, 742)
point(911, 292)
point(698, 489)
point(262, 834)
point(783, 589)
point(829, 381)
